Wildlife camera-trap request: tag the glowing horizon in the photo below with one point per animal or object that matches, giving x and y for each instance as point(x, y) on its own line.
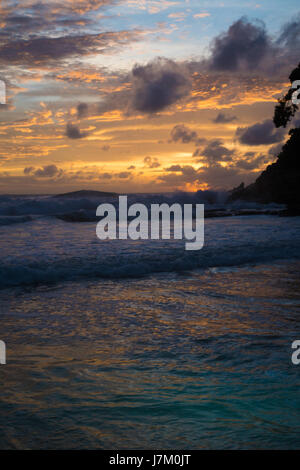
point(140, 96)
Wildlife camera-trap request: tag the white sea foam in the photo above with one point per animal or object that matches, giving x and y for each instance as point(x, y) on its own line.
point(50, 250)
point(12, 206)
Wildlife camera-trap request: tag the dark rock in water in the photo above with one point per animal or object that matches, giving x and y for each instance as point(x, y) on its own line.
point(210, 213)
point(239, 212)
point(82, 216)
point(279, 182)
point(85, 193)
point(14, 219)
point(79, 216)
point(290, 212)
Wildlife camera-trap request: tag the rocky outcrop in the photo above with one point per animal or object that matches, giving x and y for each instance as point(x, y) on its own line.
point(279, 182)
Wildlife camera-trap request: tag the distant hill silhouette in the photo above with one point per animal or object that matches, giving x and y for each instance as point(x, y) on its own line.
point(279, 182)
point(85, 193)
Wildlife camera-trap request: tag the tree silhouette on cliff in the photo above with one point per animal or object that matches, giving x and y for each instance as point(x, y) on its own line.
point(280, 181)
point(285, 110)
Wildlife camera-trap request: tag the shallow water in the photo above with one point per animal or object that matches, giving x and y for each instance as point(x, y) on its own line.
point(142, 345)
point(198, 360)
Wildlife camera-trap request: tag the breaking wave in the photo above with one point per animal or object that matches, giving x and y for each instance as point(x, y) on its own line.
point(126, 259)
point(17, 209)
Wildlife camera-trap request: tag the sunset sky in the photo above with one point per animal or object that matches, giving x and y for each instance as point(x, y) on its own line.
point(142, 95)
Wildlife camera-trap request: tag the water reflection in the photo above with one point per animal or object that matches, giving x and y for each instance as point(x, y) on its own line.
point(200, 360)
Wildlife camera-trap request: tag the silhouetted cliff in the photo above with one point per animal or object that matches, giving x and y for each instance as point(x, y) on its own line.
point(279, 182)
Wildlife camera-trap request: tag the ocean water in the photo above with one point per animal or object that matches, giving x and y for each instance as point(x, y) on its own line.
point(141, 344)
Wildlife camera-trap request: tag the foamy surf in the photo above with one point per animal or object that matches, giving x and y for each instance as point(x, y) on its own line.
point(48, 250)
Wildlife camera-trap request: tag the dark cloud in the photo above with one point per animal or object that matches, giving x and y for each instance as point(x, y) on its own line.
point(82, 110)
point(28, 170)
point(244, 45)
point(31, 17)
point(214, 152)
point(34, 33)
point(262, 133)
point(290, 35)
point(182, 133)
point(148, 89)
point(73, 132)
point(158, 85)
point(275, 150)
point(105, 148)
point(151, 162)
point(48, 171)
point(179, 175)
point(244, 56)
point(215, 175)
point(247, 47)
point(221, 118)
point(251, 162)
point(124, 174)
point(106, 176)
point(221, 177)
point(173, 168)
point(39, 50)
